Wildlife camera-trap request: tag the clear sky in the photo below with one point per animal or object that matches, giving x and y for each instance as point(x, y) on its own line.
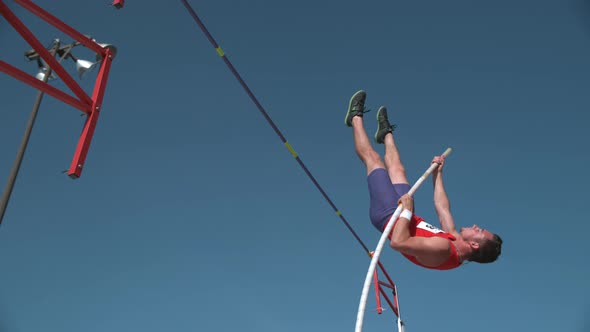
point(191, 215)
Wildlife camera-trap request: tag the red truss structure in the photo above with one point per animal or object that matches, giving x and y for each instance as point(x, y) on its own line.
point(379, 291)
point(90, 105)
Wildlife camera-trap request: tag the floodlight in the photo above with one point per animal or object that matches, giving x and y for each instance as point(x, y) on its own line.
point(43, 71)
point(113, 49)
point(82, 66)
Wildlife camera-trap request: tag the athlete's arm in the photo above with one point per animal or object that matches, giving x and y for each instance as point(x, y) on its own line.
point(401, 231)
point(429, 251)
point(441, 200)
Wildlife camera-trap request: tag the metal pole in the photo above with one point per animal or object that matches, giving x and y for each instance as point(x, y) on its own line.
point(23, 145)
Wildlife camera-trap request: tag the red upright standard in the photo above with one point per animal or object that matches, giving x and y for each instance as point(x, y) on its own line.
point(90, 105)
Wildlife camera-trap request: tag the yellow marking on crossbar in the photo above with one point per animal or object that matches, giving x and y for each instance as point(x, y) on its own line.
point(220, 51)
point(293, 153)
point(338, 213)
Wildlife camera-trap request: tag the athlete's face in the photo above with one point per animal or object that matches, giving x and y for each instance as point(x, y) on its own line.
point(476, 234)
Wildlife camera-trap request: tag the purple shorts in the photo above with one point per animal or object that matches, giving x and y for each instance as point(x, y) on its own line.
point(383, 196)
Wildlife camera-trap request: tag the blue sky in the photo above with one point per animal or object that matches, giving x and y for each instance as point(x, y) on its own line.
point(192, 216)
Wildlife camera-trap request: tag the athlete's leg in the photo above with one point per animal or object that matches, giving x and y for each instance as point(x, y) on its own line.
point(363, 147)
point(383, 197)
point(393, 162)
point(395, 168)
point(354, 119)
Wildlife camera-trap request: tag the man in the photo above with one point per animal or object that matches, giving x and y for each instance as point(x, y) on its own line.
point(420, 242)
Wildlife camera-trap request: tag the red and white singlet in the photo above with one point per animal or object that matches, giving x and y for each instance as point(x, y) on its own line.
point(419, 227)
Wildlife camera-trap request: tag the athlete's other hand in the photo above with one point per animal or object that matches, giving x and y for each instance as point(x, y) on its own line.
point(407, 202)
point(440, 160)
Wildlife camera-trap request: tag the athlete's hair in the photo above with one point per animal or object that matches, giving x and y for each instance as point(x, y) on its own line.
point(489, 250)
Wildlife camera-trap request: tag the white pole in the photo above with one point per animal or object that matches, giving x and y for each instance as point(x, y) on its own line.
point(377, 253)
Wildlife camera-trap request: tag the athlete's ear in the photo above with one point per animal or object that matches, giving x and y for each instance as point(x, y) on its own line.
point(474, 245)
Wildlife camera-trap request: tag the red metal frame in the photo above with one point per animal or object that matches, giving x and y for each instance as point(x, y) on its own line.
point(395, 305)
point(88, 131)
point(379, 290)
point(118, 4)
point(50, 90)
point(84, 103)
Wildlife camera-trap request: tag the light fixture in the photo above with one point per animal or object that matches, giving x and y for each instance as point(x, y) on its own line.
point(107, 46)
point(82, 66)
point(43, 71)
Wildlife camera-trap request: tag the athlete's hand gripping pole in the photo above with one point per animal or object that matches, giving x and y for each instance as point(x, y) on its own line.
point(377, 253)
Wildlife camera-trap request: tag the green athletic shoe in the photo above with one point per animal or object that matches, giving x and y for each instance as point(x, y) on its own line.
point(356, 107)
point(383, 126)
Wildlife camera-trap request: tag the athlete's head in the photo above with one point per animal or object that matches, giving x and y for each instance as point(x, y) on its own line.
point(485, 245)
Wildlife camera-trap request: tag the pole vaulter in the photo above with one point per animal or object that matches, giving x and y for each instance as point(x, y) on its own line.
point(377, 253)
point(372, 275)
